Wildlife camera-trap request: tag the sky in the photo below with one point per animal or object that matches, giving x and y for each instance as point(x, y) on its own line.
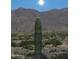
point(33, 4)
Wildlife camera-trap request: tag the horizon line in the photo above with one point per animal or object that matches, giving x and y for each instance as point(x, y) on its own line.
point(40, 10)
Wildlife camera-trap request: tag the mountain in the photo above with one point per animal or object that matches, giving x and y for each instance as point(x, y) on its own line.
point(22, 20)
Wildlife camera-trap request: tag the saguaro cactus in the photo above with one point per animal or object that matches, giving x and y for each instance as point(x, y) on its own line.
point(38, 39)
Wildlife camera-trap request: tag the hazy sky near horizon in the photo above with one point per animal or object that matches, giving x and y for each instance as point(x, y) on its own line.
point(33, 4)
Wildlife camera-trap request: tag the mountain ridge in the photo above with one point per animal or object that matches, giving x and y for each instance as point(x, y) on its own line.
point(52, 20)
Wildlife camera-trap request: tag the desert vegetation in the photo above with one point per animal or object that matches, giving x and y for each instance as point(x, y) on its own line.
point(39, 45)
point(26, 41)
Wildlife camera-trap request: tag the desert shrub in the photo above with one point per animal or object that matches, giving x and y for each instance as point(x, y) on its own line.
point(63, 56)
point(31, 54)
point(14, 34)
point(13, 44)
point(60, 56)
point(13, 58)
point(27, 44)
point(62, 35)
point(55, 41)
point(27, 37)
point(46, 35)
point(53, 34)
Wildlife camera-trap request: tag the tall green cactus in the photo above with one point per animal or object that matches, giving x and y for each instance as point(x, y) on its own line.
point(38, 39)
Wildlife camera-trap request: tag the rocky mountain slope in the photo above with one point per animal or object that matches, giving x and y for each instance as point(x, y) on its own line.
point(53, 20)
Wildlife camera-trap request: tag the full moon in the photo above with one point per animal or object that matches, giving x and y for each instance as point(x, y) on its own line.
point(41, 2)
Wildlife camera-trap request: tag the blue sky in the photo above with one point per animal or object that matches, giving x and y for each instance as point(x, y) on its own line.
point(33, 4)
